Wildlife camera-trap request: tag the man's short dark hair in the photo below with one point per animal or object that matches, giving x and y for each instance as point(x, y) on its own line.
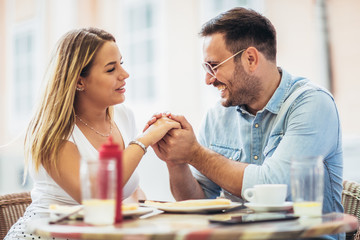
point(243, 28)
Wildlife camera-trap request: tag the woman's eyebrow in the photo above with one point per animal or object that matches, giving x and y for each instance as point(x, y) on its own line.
point(110, 63)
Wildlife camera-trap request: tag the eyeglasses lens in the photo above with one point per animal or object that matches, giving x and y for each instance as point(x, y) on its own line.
point(207, 67)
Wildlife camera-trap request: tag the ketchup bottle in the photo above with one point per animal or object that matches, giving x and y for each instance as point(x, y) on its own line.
point(108, 153)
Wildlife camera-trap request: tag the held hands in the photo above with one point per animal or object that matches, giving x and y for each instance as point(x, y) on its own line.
point(155, 131)
point(178, 146)
point(154, 118)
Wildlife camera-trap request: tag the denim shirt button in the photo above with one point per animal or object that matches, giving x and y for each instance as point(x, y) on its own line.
point(256, 125)
point(256, 157)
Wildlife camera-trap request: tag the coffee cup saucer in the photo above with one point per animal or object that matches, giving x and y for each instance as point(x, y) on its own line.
point(269, 208)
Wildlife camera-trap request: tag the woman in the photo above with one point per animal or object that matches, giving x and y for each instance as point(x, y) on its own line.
point(75, 118)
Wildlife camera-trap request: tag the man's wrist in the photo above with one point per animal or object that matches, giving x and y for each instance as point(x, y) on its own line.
point(196, 153)
point(171, 165)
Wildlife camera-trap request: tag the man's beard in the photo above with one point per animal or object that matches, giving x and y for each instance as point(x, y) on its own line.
point(244, 89)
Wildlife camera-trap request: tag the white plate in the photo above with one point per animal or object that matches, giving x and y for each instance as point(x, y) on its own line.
point(63, 210)
point(266, 208)
point(136, 213)
point(198, 209)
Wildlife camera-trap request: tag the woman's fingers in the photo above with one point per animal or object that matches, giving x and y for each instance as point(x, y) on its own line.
point(155, 117)
point(149, 123)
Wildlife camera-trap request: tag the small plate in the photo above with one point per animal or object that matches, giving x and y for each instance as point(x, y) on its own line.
point(269, 208)
point(197, 209)
point(58, 211)
point(64, 210)
point(136, 213)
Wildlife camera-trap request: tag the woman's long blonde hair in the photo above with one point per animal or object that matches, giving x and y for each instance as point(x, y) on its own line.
point(54, 119)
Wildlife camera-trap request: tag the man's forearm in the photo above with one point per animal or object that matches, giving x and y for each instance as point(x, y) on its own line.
point(183, 185)
point(226, 173)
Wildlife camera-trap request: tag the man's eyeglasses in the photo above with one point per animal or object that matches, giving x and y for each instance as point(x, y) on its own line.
point(211, 70)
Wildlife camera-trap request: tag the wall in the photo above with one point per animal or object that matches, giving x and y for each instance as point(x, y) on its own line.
point(181, 83)
point(344, 20)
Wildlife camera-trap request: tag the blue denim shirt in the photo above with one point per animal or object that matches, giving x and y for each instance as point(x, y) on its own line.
point(309, 127)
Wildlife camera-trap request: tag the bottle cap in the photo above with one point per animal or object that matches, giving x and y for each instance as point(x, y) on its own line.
point(109, 150)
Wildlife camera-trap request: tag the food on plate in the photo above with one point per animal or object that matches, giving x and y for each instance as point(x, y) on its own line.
point(64, 209)
point(190, 203)
point(130, 206)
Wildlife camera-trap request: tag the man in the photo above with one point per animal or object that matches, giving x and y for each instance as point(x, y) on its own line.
point(251, 136)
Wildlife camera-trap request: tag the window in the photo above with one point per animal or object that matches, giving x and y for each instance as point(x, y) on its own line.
point(139, 52)
point(25, 65)
point(27, 69)
point(23, 73)
point(211, 8)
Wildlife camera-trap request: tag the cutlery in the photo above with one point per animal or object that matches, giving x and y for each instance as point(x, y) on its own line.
point(66, 216)
point(242, 206)
point(143, 201)
point(151, 214)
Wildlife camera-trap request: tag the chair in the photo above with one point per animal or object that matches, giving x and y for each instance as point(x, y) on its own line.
point(12, 207)
point(351, 202)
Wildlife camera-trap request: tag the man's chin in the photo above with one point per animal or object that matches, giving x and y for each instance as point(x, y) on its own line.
point(225, 102)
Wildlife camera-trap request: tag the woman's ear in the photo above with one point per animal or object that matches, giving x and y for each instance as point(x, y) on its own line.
point(252, 58)
point(80, 86)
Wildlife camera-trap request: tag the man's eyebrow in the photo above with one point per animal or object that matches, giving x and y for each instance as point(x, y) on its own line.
point(212, 62)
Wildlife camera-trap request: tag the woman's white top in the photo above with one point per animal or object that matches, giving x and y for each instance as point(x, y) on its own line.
point(46, 191)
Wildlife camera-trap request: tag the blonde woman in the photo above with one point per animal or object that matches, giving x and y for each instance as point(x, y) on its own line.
point(75, 118)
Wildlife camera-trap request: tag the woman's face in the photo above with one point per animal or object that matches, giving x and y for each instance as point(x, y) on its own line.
point(105, 84)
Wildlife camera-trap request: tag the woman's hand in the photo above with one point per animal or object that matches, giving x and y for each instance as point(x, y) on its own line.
point(157, 129)
point(155, 117)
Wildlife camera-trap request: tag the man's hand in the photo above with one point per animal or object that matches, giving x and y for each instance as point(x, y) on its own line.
point(157, 130)
point(178, 146)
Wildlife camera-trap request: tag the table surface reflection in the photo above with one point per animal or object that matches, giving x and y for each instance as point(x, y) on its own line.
point(197, 226)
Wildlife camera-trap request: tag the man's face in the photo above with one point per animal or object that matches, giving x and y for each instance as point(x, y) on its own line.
point(237, 87)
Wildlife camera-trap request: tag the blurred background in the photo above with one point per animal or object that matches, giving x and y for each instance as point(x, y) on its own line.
point(162, 51)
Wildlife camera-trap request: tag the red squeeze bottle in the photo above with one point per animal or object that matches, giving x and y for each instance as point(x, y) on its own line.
point(111, 151)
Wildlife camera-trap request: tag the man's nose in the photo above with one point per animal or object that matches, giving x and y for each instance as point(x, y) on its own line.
point(209, 79)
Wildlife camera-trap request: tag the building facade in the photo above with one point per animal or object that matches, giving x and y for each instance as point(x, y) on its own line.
point(162, 52)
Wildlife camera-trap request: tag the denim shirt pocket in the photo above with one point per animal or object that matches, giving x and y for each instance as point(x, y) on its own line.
point(272, 144)
point(227, 151)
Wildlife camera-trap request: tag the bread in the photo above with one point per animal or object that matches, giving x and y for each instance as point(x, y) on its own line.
point(98, 202)
point(129, 206)
point(190, 203)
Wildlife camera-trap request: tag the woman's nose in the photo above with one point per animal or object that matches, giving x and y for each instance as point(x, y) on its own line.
point(123, 74)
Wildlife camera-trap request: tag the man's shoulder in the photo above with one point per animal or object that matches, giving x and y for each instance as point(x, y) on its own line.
point(295, 82)
point(309, 90)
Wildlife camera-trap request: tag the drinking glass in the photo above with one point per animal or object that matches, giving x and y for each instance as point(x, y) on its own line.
point(307, 185)
point(98, 187)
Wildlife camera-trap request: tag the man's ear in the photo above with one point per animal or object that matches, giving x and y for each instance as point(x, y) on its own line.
point(251, 58)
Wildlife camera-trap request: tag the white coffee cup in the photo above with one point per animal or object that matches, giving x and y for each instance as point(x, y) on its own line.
point(267, 194)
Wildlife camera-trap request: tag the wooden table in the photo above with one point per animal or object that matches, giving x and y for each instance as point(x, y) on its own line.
point(197, 226)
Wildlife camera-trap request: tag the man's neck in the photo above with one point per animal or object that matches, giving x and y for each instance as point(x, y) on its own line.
point(271, 80)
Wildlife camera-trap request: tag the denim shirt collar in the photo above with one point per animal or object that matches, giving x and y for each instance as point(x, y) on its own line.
point(279, 96)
